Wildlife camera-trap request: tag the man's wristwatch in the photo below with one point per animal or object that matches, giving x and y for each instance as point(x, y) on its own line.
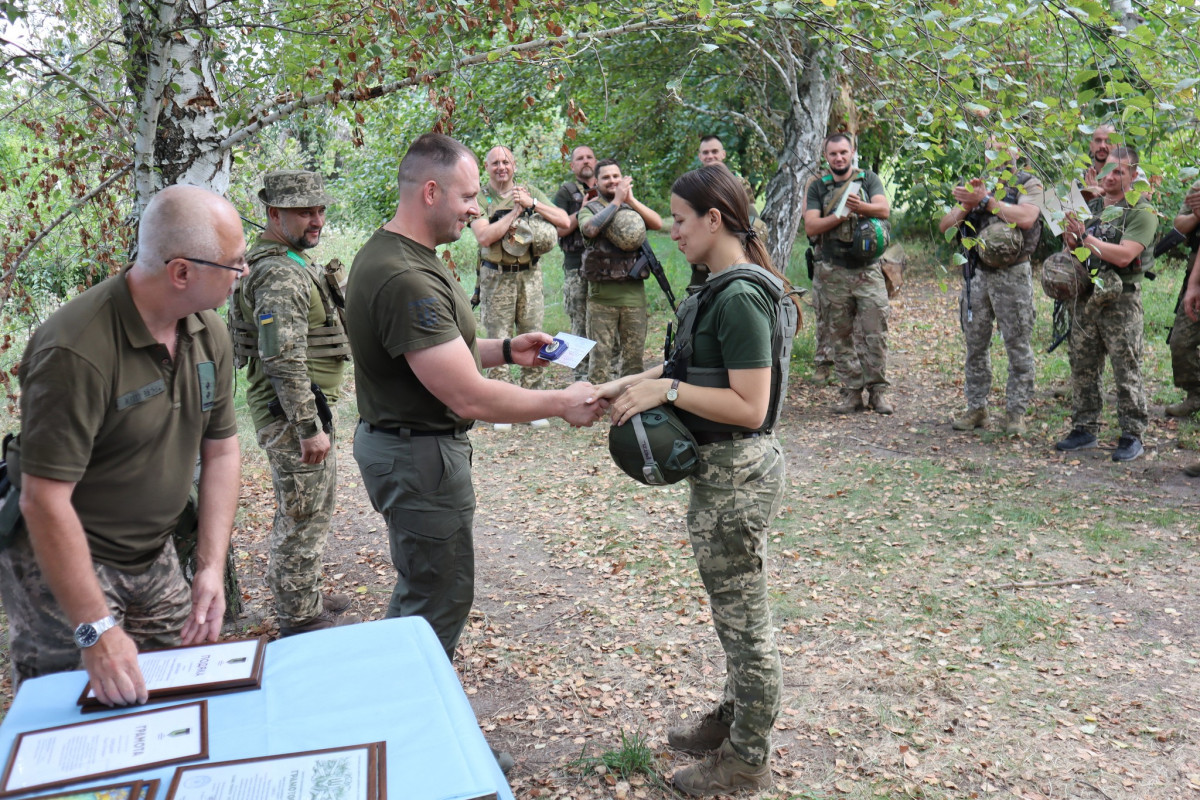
point(88, 633)
point(673, 392)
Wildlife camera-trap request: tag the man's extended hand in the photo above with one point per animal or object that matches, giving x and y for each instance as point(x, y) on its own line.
point(208, 605)
point(525, 348)
point(314, 449)
point(581, 408)
point(113, 670)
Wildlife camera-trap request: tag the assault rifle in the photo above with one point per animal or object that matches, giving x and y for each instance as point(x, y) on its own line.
point(648, 264)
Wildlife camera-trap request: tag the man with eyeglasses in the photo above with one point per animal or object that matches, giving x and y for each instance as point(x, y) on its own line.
point(120, 389)
point(288, 331)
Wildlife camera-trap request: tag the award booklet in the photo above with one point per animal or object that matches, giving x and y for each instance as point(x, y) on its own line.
point(134, 790)
point(358, 772)
point(86, 751)
point(176, 673)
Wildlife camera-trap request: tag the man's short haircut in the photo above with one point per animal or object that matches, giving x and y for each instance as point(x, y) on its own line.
point(432, 154)
point(607, 162)
point(504, 147)
point(1125, 152)
point(837, 137)
point(708, 137)
point(179, 221)
point(575, 149)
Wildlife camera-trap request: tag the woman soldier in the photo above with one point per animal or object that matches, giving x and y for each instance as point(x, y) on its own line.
point(737, 488)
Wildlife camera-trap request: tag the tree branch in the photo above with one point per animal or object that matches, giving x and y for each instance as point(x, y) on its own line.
point(762, 135)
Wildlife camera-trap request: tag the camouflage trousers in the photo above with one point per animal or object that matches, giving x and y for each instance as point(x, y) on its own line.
point(422, 486)
point(575, 302)
point(1185, 352)
point(617, 331)
point(151, 606)
point(857, 296)
point(736, 492)
point(1116, 331)
point(305, 497)
point(512, 304)
point(1005, 297)
point(822, 335)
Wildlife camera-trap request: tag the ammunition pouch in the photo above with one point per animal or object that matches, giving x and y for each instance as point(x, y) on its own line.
point(604, 261)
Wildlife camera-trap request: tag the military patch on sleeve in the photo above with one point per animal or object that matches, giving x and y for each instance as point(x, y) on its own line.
point(268, 337)
point(206, 372)
point(138, 395)
point(425, 312)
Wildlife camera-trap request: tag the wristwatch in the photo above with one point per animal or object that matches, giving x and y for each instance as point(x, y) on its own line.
point(534, 203)
point(673, 392)
point(88, 633)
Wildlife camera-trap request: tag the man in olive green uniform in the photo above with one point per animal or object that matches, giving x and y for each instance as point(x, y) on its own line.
point(417, 369)
point(854, 288)
point(120, 389)
point(509, 278)
point(288, 332)
point(616, 318)
point(570, 198)
point(1111, 323)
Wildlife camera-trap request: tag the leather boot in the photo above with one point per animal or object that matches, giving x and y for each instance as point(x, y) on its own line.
point(851, 401)
point(705, 736)
point(722, 772)
point(1014, 424)
point(972, 419)
point(1185, 407)
point(879, 401)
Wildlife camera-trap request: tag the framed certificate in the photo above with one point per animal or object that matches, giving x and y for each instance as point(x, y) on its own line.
point(203, 669)
point(86, 751)
point(358, 772)
point(134, 790)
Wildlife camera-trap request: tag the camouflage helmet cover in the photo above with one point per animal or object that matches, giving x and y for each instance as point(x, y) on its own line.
point(545, 235)
point(294, 188)
point(1064, 277)
point(1000, 244)
point(627, 230)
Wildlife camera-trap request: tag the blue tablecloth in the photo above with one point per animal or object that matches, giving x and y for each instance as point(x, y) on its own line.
point(377, 681)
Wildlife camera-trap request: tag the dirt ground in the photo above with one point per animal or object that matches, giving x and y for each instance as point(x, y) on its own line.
point(959, 615)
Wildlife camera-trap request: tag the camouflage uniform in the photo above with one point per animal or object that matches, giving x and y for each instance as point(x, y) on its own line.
point(613, 328)
point(1004, 296)
point(510, 291)
point(1185, 352)
point(40, 635)
point(288, 330)
point(569, 198)
point(736, 492)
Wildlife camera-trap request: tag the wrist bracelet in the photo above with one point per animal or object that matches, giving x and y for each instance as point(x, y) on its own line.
point(506, 348)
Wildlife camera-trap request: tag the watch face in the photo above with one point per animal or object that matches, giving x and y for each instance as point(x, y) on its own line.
point(86, 635)
point(672, 395)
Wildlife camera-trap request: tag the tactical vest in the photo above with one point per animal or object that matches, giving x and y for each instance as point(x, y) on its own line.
point(837, 245)
point(604, 261)
point(573, 241)
point(327, 341)
point(981, 218)
point(1112, 234)
point(690, 310)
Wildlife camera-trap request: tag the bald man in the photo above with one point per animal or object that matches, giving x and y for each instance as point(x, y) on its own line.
point(120, 389)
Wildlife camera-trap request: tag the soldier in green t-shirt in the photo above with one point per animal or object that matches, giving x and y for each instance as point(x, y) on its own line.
point(1111, 324)
point(121, 388)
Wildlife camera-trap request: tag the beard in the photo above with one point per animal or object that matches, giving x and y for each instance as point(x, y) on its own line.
point(841, 173)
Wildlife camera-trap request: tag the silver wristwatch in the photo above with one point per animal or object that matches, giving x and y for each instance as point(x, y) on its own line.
point(88, 633)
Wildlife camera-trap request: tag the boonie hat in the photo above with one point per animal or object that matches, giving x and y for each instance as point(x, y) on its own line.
point(294, 188)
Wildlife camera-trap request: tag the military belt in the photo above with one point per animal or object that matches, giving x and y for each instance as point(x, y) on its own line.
point(711, 437)
point(504, 267)
point(405, 433)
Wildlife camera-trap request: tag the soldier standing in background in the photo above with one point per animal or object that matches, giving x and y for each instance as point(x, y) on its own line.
point(1185, 333)
point(287, 329)
point(570, 198)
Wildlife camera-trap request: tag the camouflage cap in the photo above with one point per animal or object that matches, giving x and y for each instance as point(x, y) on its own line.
point(294, 188)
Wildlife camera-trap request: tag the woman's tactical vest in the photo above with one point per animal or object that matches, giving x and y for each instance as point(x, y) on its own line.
point(327, 341)
point(787, 318)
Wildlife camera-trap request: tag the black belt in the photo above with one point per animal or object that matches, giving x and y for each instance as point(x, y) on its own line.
point(407, 432)
point(504, 267)
point(710, 437)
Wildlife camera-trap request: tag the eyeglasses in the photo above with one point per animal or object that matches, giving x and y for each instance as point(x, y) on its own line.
point(238, 269)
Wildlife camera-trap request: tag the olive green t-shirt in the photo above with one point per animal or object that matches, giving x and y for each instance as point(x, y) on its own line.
point(1136, 223)
point(735, 329)
point(104, 406)
point(820, 190)
point(618, 294)
point(400, 298)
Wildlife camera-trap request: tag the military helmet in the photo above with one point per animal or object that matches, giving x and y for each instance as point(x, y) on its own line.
point(1106, 287)
point(654, 447)
point(294, 188)
point(545, 235)
point(1000, 244)
point(518, 239)
point(627, 230)
point(1064, 277)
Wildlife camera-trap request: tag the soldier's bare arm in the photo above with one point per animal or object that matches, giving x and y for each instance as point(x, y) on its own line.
point(1191, 296)
point(488, 233)
point(66, 561)
point(220, 480)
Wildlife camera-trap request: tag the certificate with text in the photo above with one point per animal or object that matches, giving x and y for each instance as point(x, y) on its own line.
point(132, 790)
point(203, 669)
point(340, 773)
point(89, 750)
